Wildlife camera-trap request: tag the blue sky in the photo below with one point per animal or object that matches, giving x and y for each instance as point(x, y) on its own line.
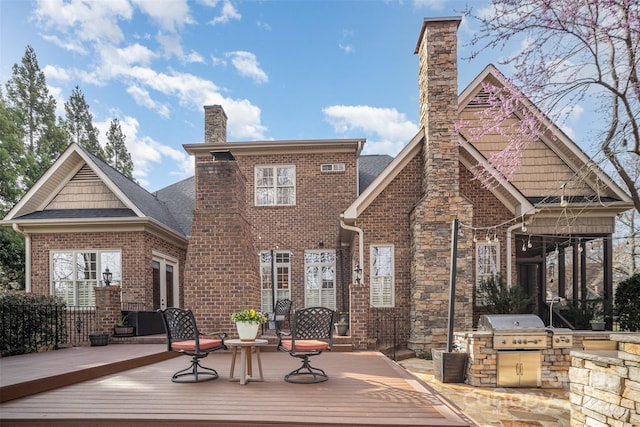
point(280, 69)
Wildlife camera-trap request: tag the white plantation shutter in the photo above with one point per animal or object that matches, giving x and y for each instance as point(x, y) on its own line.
point(382, 276)
point(320, 279)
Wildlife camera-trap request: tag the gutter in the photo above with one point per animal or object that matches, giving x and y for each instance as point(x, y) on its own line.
point(27, 256)
point(360, 241)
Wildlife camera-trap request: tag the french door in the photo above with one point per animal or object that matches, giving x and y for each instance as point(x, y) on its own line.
point(166, 291)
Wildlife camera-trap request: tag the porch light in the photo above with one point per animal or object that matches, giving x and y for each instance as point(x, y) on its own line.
point(107, 276)
point(358, 272)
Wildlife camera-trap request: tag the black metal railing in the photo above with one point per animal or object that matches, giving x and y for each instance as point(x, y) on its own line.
point(80, 322)
point(133, 306)
point(28, 328)
point(388, 329)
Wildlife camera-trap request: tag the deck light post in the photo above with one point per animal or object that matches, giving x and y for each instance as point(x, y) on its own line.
point(107, 276)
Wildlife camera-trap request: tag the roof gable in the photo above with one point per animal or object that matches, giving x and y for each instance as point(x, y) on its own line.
point(77, 171)
point(548, 163)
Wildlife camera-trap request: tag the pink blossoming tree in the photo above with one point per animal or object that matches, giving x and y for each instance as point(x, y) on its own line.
point(574, 52)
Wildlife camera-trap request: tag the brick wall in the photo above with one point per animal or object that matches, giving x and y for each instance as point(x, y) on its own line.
point(136, 248)
point(386, 222)
point(221, 274)
point(313, 223)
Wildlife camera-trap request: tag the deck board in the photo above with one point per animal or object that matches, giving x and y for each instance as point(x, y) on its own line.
point(365, 388)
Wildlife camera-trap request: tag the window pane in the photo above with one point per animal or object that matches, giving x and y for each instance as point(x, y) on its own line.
point(62, 267)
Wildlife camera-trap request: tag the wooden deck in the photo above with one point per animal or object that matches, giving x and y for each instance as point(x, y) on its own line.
point(364, 389)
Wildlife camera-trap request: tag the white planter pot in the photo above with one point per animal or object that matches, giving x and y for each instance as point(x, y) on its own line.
point(247, 331)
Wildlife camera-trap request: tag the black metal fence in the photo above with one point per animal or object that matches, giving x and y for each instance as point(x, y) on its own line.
point(28, 328)
point(388, 329)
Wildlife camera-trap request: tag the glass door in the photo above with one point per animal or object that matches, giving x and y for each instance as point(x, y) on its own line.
point(165, 282)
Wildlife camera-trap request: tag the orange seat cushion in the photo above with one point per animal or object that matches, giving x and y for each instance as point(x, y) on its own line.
point(190, 345)
point(306, 345)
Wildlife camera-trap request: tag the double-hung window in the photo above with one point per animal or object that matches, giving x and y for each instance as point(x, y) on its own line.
point(74, 274)
point(275, 185)
point(382, 276)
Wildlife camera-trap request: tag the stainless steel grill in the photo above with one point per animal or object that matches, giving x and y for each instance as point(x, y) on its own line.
point(515, 331)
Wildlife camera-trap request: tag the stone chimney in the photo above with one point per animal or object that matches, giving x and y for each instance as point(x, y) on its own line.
point(215, 124)
point(441, 203)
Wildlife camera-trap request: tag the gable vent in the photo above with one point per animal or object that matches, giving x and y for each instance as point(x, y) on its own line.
point(85, 174)
point(480, 100)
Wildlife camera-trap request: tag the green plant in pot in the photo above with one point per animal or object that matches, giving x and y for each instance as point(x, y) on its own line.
point(341, 327)
point(122, 327)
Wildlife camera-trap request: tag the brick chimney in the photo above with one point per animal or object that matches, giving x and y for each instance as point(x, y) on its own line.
point(221, 274)
point(215, 124)
point(441, 203)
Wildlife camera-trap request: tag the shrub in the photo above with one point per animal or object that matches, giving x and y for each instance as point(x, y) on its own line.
point(30, 322)
point(499, 299)
point(627, 303)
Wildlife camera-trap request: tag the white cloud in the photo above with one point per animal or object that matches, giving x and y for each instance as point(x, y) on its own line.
point(386, 129)
point(56, 73)
point(84, 20)
point(346, 48)
point(194, 57)
point(171, 44)
point(142, 97)
point(169, 14)
point(263, 25)
point(247, 65)
point(228, 13)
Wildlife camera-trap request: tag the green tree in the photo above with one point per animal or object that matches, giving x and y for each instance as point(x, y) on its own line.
point(116, 151)
point(79, 123)
point(28, 95)
point(12, 163)
point(12, 157)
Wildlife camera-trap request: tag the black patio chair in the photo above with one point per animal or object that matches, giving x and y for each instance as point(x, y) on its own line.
point(184, 337)
point(311, 334)
point(281, 314)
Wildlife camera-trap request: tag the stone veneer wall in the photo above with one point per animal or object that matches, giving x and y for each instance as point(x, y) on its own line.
point(482, 365)
point(605, 385)
point(441, 202)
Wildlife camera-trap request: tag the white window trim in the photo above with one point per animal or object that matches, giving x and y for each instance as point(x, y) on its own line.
point(275, 167)
point(333, 297)
point(281, 293)
point(99, 268)
point(372, 277)
point(482, 276)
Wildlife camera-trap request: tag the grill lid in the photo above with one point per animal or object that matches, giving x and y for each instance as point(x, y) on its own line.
point(497, 322)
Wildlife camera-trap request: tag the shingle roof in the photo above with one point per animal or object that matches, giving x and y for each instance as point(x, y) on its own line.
point(180, 199)
point(149, 204)
point(370, 167)
point(80, 213)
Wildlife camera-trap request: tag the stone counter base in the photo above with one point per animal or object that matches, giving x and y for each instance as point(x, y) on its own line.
point(482, 366)
point(605, 384)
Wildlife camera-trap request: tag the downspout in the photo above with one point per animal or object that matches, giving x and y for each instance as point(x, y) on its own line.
point(509, 231)
point(27, 256)
point(360, 241)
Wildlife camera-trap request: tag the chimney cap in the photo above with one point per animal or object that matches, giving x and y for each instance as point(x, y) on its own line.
point(439, 19)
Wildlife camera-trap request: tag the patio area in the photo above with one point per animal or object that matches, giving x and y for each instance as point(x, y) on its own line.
point(365, 389)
